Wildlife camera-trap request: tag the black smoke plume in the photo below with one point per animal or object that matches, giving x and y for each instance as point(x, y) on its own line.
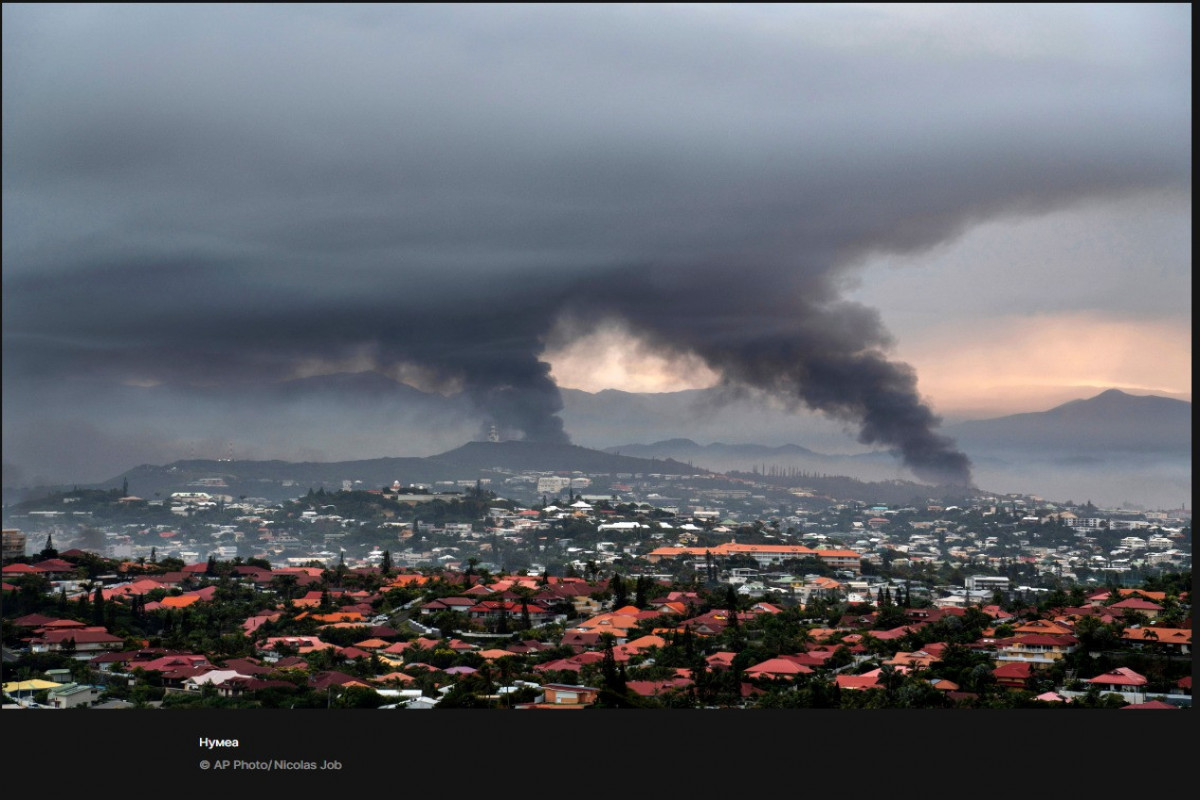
point(790, 337)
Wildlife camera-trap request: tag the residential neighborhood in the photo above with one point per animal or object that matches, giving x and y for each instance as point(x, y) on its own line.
point(361, 599)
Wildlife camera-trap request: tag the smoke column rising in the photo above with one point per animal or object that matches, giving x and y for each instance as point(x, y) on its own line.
point(298, 192)
point(795, 340)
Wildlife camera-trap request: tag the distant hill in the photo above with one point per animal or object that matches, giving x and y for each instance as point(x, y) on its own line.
point(1114, 448)
point(611, 417)
point(277, 480)
point(683, 449)
point(1111, 421)
point(722, 457)
point(541, 456)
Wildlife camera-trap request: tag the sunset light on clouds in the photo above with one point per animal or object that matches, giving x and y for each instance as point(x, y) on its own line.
point(242, 222)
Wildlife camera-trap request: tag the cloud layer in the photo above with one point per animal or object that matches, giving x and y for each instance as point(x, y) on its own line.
point(230, 195)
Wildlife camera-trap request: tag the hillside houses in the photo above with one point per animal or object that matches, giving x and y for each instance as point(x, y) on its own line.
point(668, 610)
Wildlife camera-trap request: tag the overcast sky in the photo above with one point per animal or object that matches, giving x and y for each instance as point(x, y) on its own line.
point(885, 214)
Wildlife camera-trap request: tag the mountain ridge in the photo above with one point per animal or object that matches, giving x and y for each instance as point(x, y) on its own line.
point(1110, 421)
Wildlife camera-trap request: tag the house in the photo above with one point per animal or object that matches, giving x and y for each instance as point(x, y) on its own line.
point(868, 680)
point(892, 634)
point(34, 621)
point(333, 678)
point(176, 668)
point(141, 586)
point(371, 644)
point(1148, 637)
point(778, 668)
point(943, 685)
point(353, 653)
point(393, 678)
point(1035, 648)
point(1014, 675)
point(447, 604)
point(721, 660)
point(493, 609)
point(1042, 626)
point(618, 623)
point(233, 687)
point(83, 642)
point(247, 666)
point(563, 694)
point(1123, 681)
point(1052, 697)
point(274, 646)
point(572, 664)
point(1155, 704)
point(56, 566)
point(254, 575)
point(213, 677)
point(17, 570)
point(1137, 605)
point(528, 646)
point(72, 695)
point(419, 702)
point(998, 614)
point(638, 646)
point(713, 622)
point(917, 659)
point(174, 601)
point(581, 640)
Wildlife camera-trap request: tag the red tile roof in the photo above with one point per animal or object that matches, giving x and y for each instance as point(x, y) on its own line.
point(857, 681)
point(1121, 676)
point(1014, 669)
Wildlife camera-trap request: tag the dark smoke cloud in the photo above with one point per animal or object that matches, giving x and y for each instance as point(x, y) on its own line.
point(790, 338)
point(225, 198)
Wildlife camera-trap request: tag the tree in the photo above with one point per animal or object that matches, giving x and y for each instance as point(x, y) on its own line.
point(732, 604)
point(48, 551)
point(526, 621)
point(613, 676)
point(620, 591)
point(641, 591)
point(386, 565)
point(98, 607)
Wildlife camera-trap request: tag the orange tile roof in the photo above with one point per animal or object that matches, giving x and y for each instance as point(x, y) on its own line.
point(339, 616)
point(1137, 604)
point(1143, 593)
point(1149, 633)
point(495, 653)
point(182, 601)
point(393, 677)
point(371, 644)
point(1043, 626)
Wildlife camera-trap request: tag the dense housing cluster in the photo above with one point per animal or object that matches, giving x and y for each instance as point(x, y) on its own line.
point(727, 592)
